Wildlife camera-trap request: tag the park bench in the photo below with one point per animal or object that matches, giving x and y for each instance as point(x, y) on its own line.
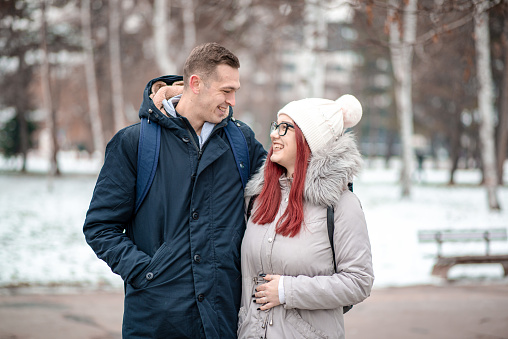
point(444, 263)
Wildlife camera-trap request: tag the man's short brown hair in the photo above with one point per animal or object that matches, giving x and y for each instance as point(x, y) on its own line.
point(204, 59)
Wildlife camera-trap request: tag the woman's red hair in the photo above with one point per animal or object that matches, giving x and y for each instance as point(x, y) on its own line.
point(290, 222)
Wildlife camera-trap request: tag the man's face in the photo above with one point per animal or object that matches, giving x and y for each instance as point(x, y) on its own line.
point(218, 93)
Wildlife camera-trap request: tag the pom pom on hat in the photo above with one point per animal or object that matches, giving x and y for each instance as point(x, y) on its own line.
point(323, 120)
point(351, 110)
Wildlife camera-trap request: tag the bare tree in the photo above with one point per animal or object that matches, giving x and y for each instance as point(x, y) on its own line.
point(20, 38)
point(312, 81)
point(503, 112)
point(485, 101)
point(47, 99)
point(91, 82)
point(160, 37)
point(116, 64)
point(189, 29)
point(21, 116)
point(402, 38)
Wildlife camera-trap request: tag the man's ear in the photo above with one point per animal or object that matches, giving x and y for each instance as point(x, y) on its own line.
point(195, 83)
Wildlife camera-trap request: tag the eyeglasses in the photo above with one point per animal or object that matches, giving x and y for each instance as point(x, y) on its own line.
point(281, 128)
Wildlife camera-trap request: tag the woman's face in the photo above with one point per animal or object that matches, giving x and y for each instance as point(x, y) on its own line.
point(284, 147)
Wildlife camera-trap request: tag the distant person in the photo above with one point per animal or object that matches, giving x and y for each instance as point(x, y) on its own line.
point(420, 158)
point(292, 284)
point(179, 254)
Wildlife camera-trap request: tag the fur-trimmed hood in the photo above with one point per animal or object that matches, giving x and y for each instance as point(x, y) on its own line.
point(329, 171)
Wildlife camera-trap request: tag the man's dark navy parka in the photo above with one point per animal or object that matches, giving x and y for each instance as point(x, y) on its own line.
point(179, 255)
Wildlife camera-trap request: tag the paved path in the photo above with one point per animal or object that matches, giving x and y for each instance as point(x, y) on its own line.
point(444, 312)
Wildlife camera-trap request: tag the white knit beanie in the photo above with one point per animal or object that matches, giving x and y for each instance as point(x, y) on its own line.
point(323, 120)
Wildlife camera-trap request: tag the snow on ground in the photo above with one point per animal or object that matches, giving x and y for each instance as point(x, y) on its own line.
point(41, 239)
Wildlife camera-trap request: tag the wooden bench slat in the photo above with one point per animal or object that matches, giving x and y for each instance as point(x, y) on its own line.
point(462, 235)
point(443, 264)
point(472, 259)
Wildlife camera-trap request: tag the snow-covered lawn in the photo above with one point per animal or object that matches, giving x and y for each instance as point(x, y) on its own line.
point(41, 239)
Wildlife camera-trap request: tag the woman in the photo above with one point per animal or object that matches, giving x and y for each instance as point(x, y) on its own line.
point(291, 287)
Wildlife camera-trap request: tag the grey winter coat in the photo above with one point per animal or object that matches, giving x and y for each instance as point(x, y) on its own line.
point(315, 293)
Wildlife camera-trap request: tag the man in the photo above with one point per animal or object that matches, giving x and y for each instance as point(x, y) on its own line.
point(179, 254)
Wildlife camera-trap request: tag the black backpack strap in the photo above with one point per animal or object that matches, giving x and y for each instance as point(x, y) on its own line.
point(251, 204)
point(331, 227)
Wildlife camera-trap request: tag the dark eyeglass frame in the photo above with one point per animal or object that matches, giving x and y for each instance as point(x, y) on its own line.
point(275, 126)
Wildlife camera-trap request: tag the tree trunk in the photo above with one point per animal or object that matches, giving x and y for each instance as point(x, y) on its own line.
point(485, 102)
point(47, 99)
point(455, 147)
point(115, 60)
point(21, 109)
point(189, 29)
point(502, 141)
point(91, 81)
point(160, 37)
point(390, 141)
point(313, 80)
point(401, 49)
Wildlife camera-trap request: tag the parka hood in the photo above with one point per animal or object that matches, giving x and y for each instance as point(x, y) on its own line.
point(329, 171)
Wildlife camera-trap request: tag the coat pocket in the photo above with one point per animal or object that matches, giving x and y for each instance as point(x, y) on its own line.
point(305, 329)
point(151, 272)
point(227, 242)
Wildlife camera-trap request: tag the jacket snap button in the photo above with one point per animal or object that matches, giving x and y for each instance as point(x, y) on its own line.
point(195, 215)
point(242, 165)
point(149, 276)
point(185, 139)
point(197, 258)
point(270, 240)
point(201, 297)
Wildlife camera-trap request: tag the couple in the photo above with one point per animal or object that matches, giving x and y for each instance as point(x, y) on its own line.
point(180, 254)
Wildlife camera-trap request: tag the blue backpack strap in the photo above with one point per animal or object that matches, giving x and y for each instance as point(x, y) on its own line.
point(240, 149)
point(148, 157)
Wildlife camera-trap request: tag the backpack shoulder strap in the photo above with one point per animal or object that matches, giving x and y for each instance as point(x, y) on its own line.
point(331, 227)
point(240, 149)
point(251, 204)
point(148, 157)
